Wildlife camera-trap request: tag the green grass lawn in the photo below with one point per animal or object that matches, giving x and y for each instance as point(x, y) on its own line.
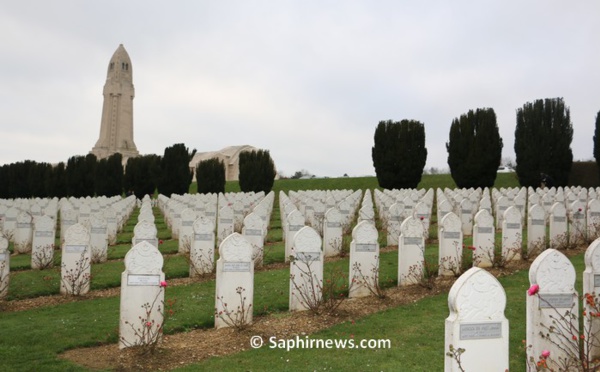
point(32, 339)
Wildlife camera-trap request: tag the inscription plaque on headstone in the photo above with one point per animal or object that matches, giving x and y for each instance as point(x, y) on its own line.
point(513, 225)
point(366, 247)
point(98, 230)
point(538, 222)
point(237, 267)
point(75, 248)
point(44, 234)
point(412, 240)
point(308, 256)
point(451, 235)
point(333, 224)
point(203, 237)
point(480, 331)
point(253, 232)
point(560, 219)
point(142, 280)
point(557, 301)
point(484, 230)
point(597, 280)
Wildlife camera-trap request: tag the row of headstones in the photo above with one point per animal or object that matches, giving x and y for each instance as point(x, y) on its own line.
point(394, 206)
point(226, 211)
point(466, 202)
point(342, 204)
point(477, 324)
point(76, 259)
point(141, 281)
point(314, 203)
point(567, 225)
point(36, 234)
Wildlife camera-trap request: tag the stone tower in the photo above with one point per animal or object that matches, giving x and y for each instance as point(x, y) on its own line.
point(116, 127)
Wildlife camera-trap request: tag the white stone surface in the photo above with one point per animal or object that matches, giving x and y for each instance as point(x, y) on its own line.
point(411, 249)
point(555, 275)
point(234, 283)
point(76, 258)
point(306, 270)
point(477, 323)
point(142, 296)
point(364, 260)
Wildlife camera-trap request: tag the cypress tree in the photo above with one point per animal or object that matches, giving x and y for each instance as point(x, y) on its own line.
point(176, 175)
point(210, 176)
point(399, 153)
point(543, 138)
point(257, 171)
point(114, 173)
point(141, 175)
point(474, 149)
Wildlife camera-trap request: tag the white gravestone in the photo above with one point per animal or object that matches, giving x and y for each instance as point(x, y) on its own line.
point(512, 234)
point(450, 245)
point(202, 253)
point(42, 247)
point(234, 283)
point(591, 286)
point(411, 249)
point(555, 275)
point(23, 233)
point(9, 225)
point(186, 230)
point(76, 258)
point(332, 233)
point(593, 219)
point(111, 224)
point(306, 270)
point(477, 323)
point(254, 234)
point(225, 223)
point(68, 218)
point(98, 238)
point(466, 216)
point(144, 231)
point(364, 260)
point(558, 226)
point(422, 212)
point(536, 230)
point(577, 225)
point(484, 239)
point(295, 222)
point(4, 267)
point(501, 206)
point(142, 297)
point(394, 220)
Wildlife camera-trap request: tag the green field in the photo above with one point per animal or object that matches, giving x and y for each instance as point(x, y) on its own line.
point(32, 339)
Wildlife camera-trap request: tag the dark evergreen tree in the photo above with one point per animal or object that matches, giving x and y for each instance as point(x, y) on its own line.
point(257, 171)
point(543, 138)
point(474, 149)
point(4, 181)
point(176, 174)
point(399, 153)
point(20, 179)
point(101, 177)
point(210, 176)
point(114, 175)
point(141, 175)
point(597, 140)
point(80, 174)
point(58, 181)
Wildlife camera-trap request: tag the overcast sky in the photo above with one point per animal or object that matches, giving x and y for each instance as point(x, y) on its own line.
point(307, 80)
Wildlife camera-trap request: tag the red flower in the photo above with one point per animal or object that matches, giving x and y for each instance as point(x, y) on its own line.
point(160, 241)
point(148, 324)
point(574, 338)
point(163, 283)
point(422, 218)
point(533, 289)
point(471, 247)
